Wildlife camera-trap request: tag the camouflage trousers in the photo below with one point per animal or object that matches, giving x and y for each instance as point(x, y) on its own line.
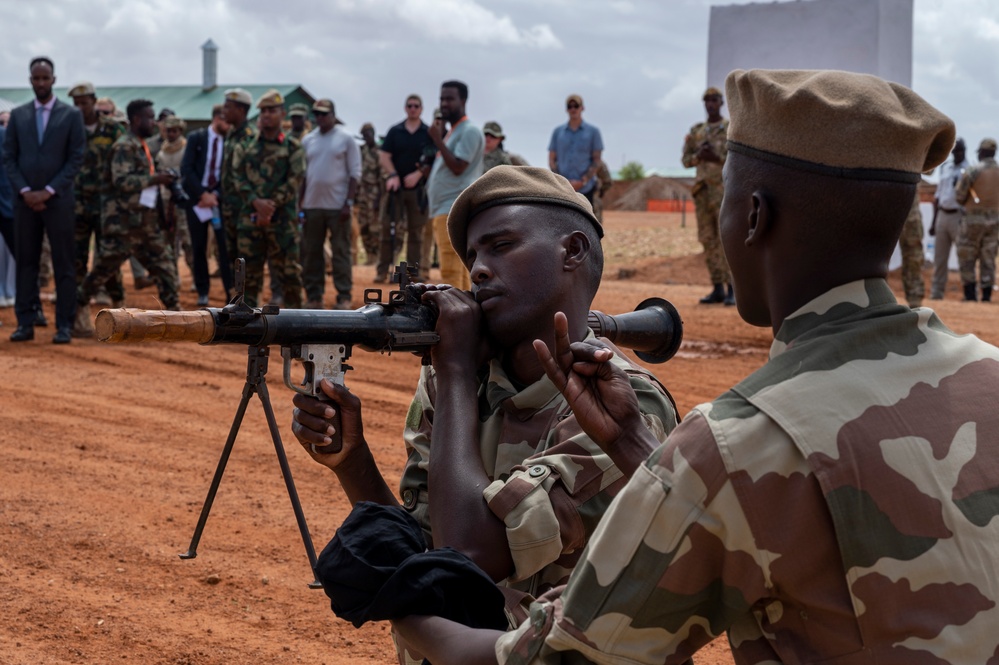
point(368, 222)
point(88, 228)
point(138, 234)
point(977, 242)
point(276, 244)
point(707, 205)
point(911, 245)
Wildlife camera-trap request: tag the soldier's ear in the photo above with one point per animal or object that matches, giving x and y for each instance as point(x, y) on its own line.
point(760, 218)
point(576, 248)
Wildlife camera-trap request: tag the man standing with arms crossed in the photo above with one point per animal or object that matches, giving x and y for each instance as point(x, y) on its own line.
point(42, 151)
point(399, 156)
point(946, 223)
point(458, 165)
point(704, 148)
point(333, 169)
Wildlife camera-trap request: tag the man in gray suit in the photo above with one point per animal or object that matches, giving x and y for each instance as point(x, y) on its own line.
point(42, 152)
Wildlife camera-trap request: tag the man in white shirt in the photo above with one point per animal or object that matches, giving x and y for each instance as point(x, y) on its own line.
point(333, 169)
point(946, 218)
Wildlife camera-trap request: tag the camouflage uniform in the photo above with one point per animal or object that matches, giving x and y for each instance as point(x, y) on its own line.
point(979, 236)
point(91, 186)
point(911, 245)
point(230, 202)
point(495, 158)
point(369, 194)
point(130, 228)
point(707, 192)
point(269, 169)
point(837, 506)
point(551, 483)
point(604, 182)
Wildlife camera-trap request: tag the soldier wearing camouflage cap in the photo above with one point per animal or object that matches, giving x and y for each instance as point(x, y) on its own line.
point(837, 505)
point(298, 114)
point(267, 174)
point(93, 182)
point(978, 239)
point(704, 147)
point(518, 486)
point(235, 108)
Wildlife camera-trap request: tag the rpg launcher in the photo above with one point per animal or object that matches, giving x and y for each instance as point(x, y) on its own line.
point(322, 341)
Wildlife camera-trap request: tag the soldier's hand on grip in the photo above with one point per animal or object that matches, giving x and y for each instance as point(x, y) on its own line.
point(312, 423)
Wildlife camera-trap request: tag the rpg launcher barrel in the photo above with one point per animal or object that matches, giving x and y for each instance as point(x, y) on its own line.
point(322, 340)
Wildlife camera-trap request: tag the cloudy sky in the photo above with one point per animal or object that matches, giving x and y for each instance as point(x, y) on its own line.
point(639, 64)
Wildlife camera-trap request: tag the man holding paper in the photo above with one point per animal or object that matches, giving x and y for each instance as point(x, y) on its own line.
point(133, 216)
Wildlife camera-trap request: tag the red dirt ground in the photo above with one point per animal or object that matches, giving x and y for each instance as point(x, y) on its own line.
point(108, 452)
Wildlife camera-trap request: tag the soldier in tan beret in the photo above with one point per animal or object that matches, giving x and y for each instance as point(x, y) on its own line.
point(837, 505)
point(704, 147)
point(978, 239)
point(517, 486)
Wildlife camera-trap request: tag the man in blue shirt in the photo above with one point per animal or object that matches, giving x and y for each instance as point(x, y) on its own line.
point(575, 149)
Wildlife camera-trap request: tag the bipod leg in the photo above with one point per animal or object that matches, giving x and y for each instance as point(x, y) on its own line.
point(296, 505)
point(250, 387)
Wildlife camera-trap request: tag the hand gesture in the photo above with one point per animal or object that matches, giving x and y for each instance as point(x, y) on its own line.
point(313, 423)
point(434, 131)
point(600, 395)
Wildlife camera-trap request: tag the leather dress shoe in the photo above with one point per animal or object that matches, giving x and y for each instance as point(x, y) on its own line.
point(40, 319)
point(23, 334)
point(62, 336)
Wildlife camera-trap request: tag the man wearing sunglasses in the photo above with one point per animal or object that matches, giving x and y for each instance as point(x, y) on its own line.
point(575, 149)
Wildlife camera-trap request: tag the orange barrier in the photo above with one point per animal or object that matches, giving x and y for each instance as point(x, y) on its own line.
point(669, 205)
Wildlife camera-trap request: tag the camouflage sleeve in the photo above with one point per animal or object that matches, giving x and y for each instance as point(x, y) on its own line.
point(129, 168)
point(286, 192)
point(419, 425)
point(238, 182)
point(963, 189)
point(552, 503)
point(672, 565)
point(689, 157)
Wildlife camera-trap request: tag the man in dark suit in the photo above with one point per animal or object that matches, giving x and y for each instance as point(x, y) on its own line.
point(201, 175)
point(42, 152)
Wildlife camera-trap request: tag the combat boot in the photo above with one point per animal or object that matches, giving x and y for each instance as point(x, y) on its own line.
point(84, 325)
point(987, 293)
point(969, 293)
point(716, 296)
point(729, 297)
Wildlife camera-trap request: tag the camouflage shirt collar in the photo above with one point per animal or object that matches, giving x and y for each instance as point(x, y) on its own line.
point(841, 302)
point(501, 393)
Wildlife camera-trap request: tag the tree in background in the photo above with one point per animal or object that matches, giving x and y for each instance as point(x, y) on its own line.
point(631, 172)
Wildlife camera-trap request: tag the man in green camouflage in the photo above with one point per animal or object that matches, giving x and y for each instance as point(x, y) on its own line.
point(604, 182)
point(977, 242)
point(236, 107)
point(911, 247)
point(839, 504)
point(133, 218)
point(517, 487)
point(267, 173)
point(298, 115)
point(705, 148)
point(369, 195)
point(92, 185)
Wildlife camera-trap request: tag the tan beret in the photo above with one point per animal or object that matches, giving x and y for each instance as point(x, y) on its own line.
point(712, 92)
point(270, 99)
point(238, 95)
point(987, 144)
point(836, 123)
point(82, 89)
point(513, 185)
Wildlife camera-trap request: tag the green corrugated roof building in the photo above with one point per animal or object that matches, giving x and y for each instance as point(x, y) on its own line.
point(190, 102)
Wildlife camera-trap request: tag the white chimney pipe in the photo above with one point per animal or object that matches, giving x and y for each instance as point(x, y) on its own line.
point(209, 74)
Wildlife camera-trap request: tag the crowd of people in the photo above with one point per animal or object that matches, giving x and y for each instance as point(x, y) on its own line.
point(103, 185)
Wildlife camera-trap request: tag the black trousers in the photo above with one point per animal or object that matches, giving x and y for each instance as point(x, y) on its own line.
point(59, 223)
point(7, 231)
point(199, 245)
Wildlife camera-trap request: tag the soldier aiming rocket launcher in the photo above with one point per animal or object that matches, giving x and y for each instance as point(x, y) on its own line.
point(322, 341)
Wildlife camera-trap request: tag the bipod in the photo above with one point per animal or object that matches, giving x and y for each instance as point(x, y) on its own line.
point(256, 383)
